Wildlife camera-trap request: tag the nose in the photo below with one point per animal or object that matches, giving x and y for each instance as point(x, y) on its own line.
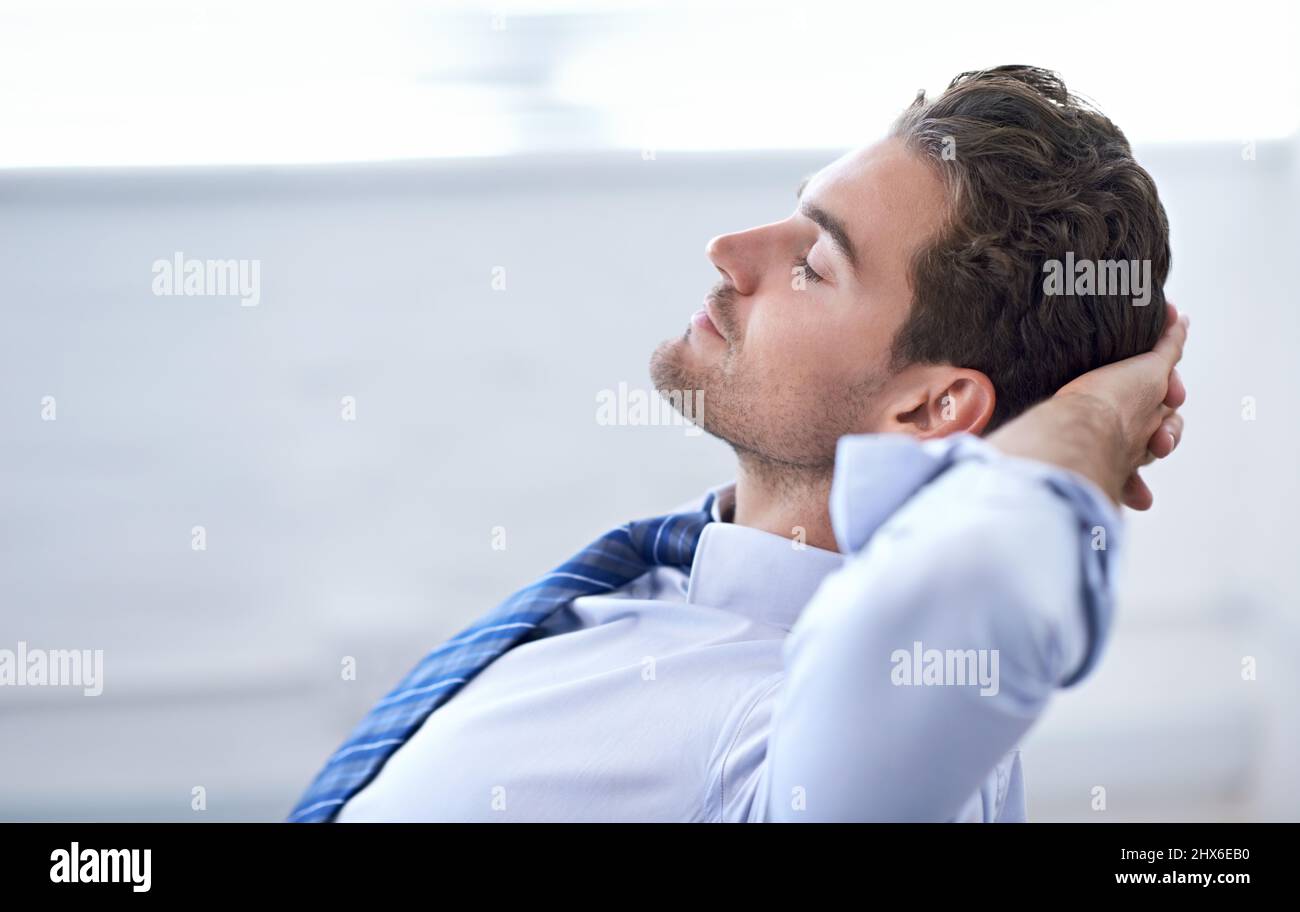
point(734, 257)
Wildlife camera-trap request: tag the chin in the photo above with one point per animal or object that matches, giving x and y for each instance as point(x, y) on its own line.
point(668, 364)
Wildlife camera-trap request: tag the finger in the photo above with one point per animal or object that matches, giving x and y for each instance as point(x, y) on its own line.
point(1161, 444)
point(1165, 440)
point(1177, 393)
point(1136, 495)
point(1173, 426)
point(1156, 442)
point(1171, 342)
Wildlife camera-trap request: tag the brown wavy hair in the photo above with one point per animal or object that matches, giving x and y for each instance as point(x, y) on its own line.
point(1032, 173)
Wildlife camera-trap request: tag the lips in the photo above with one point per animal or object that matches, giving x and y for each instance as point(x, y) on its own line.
point(711, 316)
point(702, 321)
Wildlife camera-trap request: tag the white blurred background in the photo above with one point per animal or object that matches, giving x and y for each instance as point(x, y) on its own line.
point(382, 162)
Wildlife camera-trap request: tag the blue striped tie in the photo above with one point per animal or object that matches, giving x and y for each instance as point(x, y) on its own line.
point(612, 561)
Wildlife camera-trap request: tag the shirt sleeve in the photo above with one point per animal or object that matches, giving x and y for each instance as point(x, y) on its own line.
point(975, 585)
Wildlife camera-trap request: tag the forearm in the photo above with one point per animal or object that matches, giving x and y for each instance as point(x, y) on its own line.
point(988, 560)
point(1078, 433)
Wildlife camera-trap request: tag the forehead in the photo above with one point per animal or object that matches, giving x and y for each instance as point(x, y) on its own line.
point(888, 198)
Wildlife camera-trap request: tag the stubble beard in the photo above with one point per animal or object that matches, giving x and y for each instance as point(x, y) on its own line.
point(801, 443)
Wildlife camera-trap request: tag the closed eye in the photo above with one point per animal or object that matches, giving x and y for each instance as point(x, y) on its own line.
point(802, 264)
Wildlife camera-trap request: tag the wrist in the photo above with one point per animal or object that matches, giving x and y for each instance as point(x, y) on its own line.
point(1074, 431)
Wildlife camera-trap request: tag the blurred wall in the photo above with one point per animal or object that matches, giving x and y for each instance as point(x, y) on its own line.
point(475, 409)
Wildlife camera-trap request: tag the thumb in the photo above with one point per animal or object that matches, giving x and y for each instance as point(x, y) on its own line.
point(1169, 347)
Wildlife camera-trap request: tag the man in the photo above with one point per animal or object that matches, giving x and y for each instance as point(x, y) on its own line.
point(866, 622)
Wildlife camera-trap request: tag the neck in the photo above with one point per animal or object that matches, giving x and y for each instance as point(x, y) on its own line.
point(782, 499)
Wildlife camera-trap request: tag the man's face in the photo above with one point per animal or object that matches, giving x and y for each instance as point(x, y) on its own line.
point(792, 347)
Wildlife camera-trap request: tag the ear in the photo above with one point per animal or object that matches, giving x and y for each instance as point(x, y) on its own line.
point(943, 401)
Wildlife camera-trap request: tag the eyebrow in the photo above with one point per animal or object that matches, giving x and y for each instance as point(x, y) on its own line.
point(828, 223)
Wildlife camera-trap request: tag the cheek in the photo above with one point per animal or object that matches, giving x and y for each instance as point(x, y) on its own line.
point(807, 347)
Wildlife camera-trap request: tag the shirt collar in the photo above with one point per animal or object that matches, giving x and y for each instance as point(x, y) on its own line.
point(724, 501)
point(754, 573)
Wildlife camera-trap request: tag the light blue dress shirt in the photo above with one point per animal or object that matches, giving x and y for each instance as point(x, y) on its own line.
point(780, 682)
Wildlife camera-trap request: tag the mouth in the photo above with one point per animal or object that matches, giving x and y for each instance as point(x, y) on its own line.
point(704, 320)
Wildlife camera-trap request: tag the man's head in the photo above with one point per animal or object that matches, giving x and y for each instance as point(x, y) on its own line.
point(907, 290)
